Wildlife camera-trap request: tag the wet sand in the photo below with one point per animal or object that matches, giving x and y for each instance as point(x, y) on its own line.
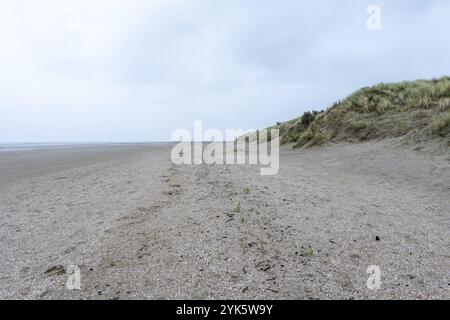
point(140, 227)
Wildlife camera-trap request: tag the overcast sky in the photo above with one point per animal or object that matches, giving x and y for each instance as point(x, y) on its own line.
point(131, 70)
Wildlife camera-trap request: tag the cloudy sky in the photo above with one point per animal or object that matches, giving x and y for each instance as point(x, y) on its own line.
point(132, 70)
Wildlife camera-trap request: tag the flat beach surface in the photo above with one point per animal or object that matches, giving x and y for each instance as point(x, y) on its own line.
point(140, 227)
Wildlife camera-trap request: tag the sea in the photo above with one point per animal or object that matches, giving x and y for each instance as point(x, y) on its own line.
point(8, 147)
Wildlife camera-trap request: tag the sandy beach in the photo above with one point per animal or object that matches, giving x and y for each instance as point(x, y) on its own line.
point(140, 227)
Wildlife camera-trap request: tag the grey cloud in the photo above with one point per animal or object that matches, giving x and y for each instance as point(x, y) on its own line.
point(139, 69)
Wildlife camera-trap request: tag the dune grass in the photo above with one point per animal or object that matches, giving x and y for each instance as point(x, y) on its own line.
point(385, 110)
point(441, 126)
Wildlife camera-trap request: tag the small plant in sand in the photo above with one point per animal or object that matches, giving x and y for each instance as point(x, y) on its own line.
point(309, 251)
point(237, 209)
point(246, 190)
point(232, 194)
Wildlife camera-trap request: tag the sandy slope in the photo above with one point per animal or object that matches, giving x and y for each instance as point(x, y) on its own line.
point(140, 227)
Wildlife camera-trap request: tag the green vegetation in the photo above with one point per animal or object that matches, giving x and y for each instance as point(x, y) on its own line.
point(441, 126)
point(309, 252)
point(419, 108)
point(291, 131)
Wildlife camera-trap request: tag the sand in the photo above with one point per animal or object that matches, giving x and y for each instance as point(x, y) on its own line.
point(140, 227)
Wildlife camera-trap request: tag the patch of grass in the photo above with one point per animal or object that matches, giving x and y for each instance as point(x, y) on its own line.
point(424, 102)
point(318, 139)
point(237, 209)
point(311, 137)
point(361, 129)
point(383, 106)
point(232, 194)
point(360, 125)
point(246, 190)
point(441, 126)
point(444, 104)
point(306, 136)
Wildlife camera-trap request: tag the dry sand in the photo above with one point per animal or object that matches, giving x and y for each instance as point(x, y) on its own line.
point(140, 227)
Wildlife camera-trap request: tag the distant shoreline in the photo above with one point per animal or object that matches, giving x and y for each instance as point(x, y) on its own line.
point(14, 147)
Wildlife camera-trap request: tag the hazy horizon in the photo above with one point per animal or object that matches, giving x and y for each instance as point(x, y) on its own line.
point(135, 71)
